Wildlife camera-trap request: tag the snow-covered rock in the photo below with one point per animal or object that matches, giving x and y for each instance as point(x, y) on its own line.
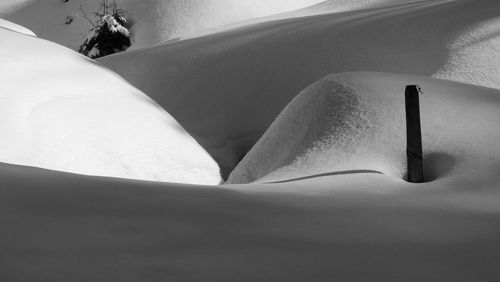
point(356, 122)
point(61, 111)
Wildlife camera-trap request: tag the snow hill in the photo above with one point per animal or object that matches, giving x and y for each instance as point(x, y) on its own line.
point(73, 228)
point(227, 88)
point(356, 122)
point(61, 111)
point(153, 21)
point(326, 202)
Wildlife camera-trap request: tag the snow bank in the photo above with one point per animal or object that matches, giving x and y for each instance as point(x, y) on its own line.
point(474, 55)
point(153, 21)
point(323, 7)
point(355, 122)
point(160, 20)
point(227, 88)
point(9, 6)
point(61, 227)
point(60, 111)
point(15, 27)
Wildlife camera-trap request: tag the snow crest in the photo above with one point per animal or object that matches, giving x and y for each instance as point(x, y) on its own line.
point(227, 88)
point(356, 122)
point(474, 55)
point(152, 21)
point(15, 27)
point(61, 111)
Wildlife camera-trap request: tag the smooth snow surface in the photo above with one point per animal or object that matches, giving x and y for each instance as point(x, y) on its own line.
point(333, 206)
point(274, 10)
point(227, 88)
point(15, 27)
point(356, 122)
point(61, 111)
point(153, 21)
point(474, 55)
point(166, 19)
point(9, 6)
point(72, 228)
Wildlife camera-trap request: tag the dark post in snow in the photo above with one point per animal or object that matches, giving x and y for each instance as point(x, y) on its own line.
point(414, 135)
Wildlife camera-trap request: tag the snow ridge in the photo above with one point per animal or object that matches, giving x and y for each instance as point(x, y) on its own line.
point(356, 122)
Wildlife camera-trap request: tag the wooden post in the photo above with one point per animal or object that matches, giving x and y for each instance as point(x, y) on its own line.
point(414, 152)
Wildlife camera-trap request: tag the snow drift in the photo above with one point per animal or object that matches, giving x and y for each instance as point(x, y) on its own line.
point(356, 122)
point(15, 27)
point(59, 110)
point(73, 228)
point(227, 88)
point(153, 21)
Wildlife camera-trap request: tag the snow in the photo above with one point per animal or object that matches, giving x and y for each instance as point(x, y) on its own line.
point(355, 122)
point(114, 26)
point(474, 55)
point(171, 19)
point(61, 111)
point(227, 88)
point(61, 227)
point(327, 200)
point(323, 7)
point(9, 6)
point(15, 27)
point(153, 21)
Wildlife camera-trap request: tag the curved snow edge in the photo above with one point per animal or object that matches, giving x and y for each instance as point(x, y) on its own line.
point(15, 27)
point(356, 121)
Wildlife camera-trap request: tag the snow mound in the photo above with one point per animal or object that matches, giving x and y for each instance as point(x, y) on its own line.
point(474, 55)
point(15, 27)
point(162, 20)
point(356, 122)
point(60, 111)
point(153, 21)
point(227, 88)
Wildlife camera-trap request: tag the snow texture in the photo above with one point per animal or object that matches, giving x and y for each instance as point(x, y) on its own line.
point(356, 122)
point(153, 21)
point(474, 55)
point(59, 110)
point(15, 27)
point(227, 88)
point(227, 85)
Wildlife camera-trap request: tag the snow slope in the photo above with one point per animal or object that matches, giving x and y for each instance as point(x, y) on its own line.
point(325, 6)
point(153, 20)
point(15, 27)
point(227, 88)
point(73, 228)
point(356, 122)
point(474, 55)
point(61, 111)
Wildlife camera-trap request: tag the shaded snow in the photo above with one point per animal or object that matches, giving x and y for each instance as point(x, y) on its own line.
point(474, 55)
point(356, 122)
point(153, 21)
point(72, 228)
point(9, 6)
point(227, 88)
point(60, 111)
